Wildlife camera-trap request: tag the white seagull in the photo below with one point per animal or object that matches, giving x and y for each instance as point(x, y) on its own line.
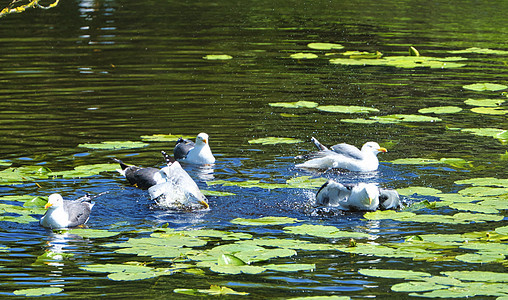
point(194, 153)
point(66, 213)
point(359, 197)
point(177, 190)
point(345, 156)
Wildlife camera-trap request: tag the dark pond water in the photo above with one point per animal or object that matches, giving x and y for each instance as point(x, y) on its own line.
point(95, 71)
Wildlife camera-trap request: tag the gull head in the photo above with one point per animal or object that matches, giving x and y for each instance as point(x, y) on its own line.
point(369, 195)
point(373, 147)
point(202, 138)
point(54, 201)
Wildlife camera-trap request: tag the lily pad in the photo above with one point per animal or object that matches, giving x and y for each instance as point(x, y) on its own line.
point(214, 290)
point(480, 51)
point(85, 171)
point(324, 231)
point(346, 109)
point(480, 276)
point(358, 121)
point(440, 110)
point(419, 190)
point(163, 137)
point(390, 273)
point(415, 161)
point(292, 267)
point(489, 110)
point(325, 46)
point(217, 193)
point(298, 104)
point(92, 233)
point(396, 118)
point(362, 54)
point(114, 145)
point(302, 55)
point(484, 102)
point(305, 182)
point(275, 140)
point(38, 291)
point(404, 62)
point(265, 221)
point(217, 57)
point(480, 87)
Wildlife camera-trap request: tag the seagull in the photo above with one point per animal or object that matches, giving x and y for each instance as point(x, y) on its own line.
point(359, 197)
point(66, 213)
point(194, 153)
point(142, 178)
point(177, 189)
point(345, 156)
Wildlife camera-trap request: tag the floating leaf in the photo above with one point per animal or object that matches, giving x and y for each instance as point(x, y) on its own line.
point(114, 145)
point(396, 118)
point(324, 46)
point(290, 267)
point(38, 291)
point(358, 121)
point(480, 87)
point(237, 269)
point(303, 55)
point(217, 57)
point(480, 51)
point(229, 259)
point(324, 231)
point(163, 137)
point(388, 273)
point(217, 193)
point(480, 276)
point(298, 104)
point(362, 54)
point(413, 51)
point(305, 182)
point(92, 233)
point(440, 110)
point(415, 161)
point(213, 290)
point(275, 140)
point(85, 171)
point(481, 257)
point(404, 62)
point(265, 221)
point(484, 102)
point(347, 109)
point(420, 190)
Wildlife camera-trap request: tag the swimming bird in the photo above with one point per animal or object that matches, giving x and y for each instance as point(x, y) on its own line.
point(195, 153)
point(359, 197)
point(142, 178)
point(344, 156)
point(177, 189)
point(66, 213)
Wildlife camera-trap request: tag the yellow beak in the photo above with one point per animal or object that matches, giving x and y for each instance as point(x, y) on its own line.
point(48, 205)
point(382, 149)
point(205, 204)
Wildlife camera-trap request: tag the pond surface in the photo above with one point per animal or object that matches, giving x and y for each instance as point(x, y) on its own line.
point(89, 72)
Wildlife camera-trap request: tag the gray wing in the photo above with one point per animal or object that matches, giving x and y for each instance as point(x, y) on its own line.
point(348, 151)
point(182, 148)
point(78, 210)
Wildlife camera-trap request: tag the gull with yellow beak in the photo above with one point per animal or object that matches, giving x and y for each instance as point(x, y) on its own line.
point(344, 156)
point(359, 197)
point(194, 153)
point(66, 213)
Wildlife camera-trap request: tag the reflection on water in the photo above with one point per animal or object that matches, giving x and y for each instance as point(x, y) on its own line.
point(94, 71)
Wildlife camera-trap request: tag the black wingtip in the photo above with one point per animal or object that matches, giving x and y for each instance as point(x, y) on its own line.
point(168, 158)
point(122, 165)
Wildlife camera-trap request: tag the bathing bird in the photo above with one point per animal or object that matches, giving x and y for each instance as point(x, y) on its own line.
point(142, 178)
point(66, 213)
point(195, 153)
point(177, 189)
point(344, 156)
point(358, 197)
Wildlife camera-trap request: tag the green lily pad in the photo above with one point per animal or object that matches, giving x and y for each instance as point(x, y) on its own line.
point(23, 174)
point(499, 134)
point(5, 163)
point(483, 191)
point(127, 271)
point(324, 231)
point(334, 297)
point(275, 140)
point(298, 104)
point(217, 57)
point(214, 290)
point(38, 291)
point(484, 181)
point(480, 87)
point(305, 182)
point(163, 137)
point(489, 110)
point(440, 110)
point(362, 54)
point(302, 55)
point(502, 230)
point(92, 233)
point(358, 121)
point(389, 273)
point(290, 267)
point(481, 257)
point(415, 161)
point(396, 118)
point(265, 221)
point(229, 259)
point(480, 51)
point(480, 276)
point(85, 171)
point(114, 145)
point(217, 193)
point(229, 269)
point(50, 257)
point(484, 102)
point(325, 46)
point(346, 109)
point(290, 244)
point(404, 62)
point(420, 190)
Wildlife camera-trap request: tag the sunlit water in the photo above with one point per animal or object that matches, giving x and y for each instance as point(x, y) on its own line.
point(88, 72)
